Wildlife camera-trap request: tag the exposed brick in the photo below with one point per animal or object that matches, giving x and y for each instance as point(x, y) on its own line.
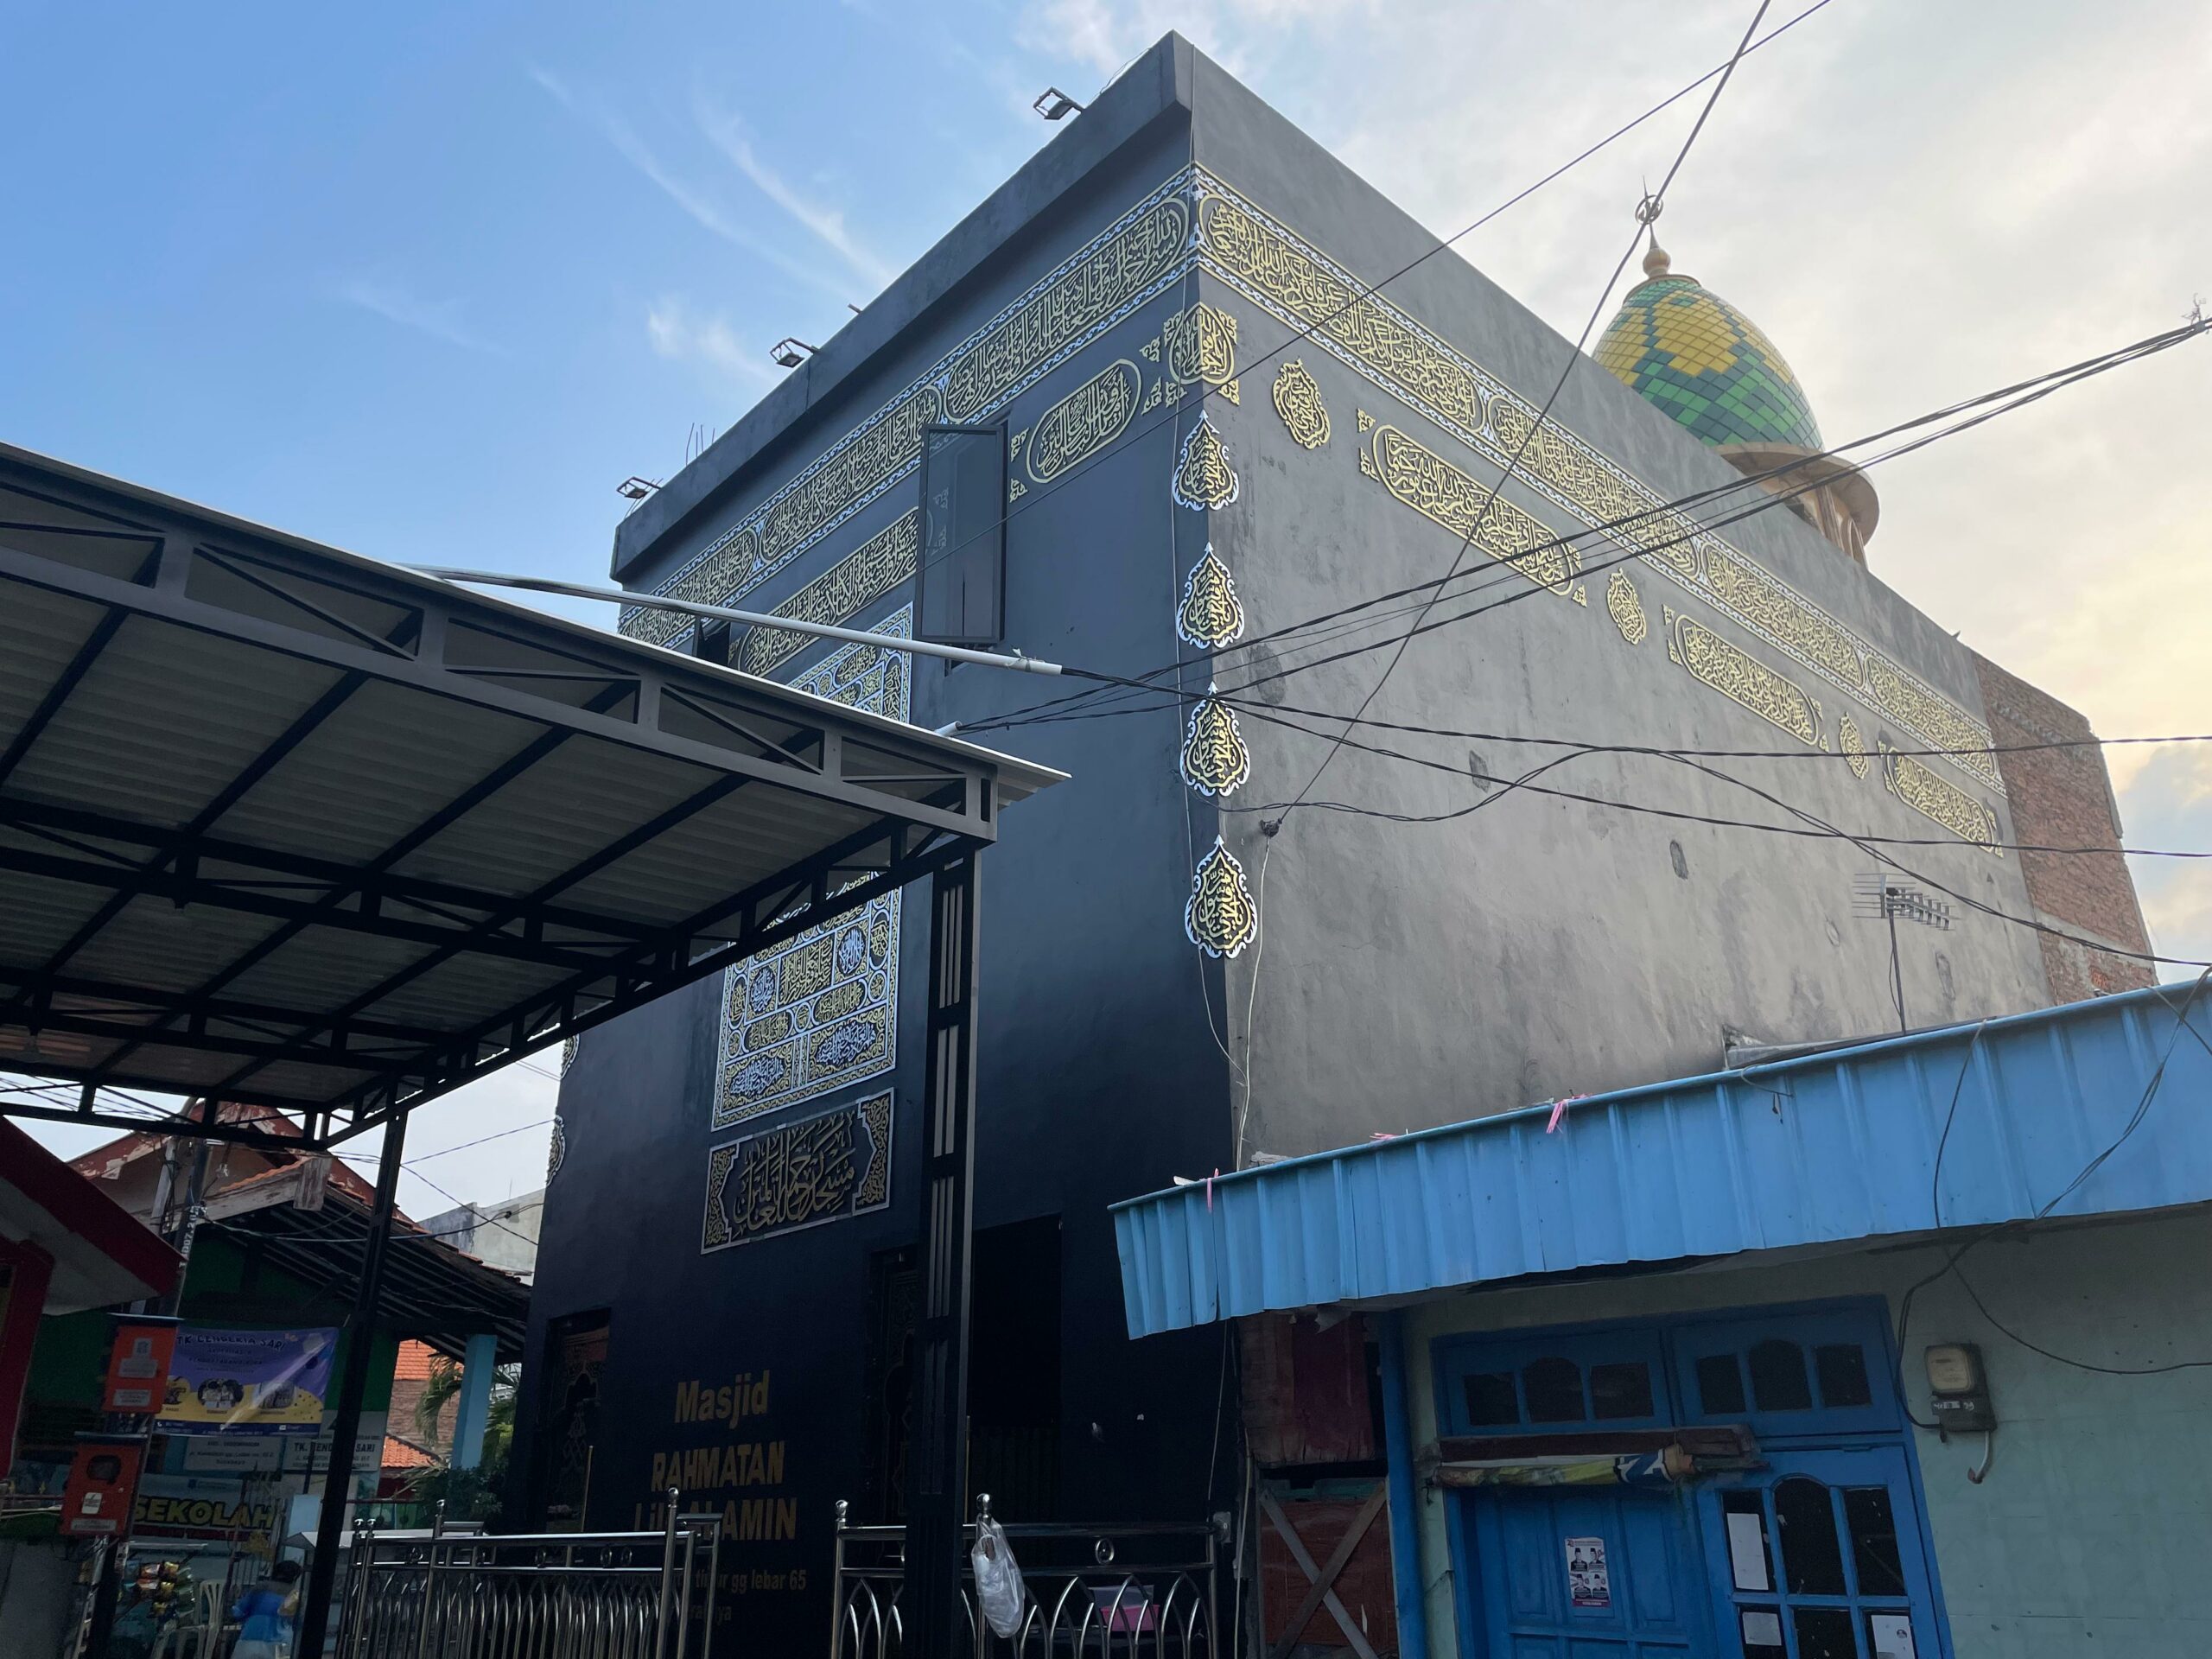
point(2062, 797)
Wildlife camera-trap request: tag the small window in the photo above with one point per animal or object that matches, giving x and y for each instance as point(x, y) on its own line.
point(1555, 1387)
point(960, 569)
point(1720, 1385)
point(1824, 1633)
point(1812, 1554)
point(1491, 1402)
point(1621, 1389)
point(1778, 1380)
point(1841, 1368)
point(1873, 1541)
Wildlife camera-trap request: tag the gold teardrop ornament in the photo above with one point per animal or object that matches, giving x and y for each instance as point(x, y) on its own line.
point(1210, 615)
point(1298, 400)
point(1215, 759)
point(1203, 478)
point(1220, 918)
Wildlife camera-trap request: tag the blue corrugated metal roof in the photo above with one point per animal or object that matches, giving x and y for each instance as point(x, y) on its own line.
point(1829, 1146)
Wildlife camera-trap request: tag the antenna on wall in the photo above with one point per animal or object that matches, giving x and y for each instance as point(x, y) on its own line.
point(1881, 896)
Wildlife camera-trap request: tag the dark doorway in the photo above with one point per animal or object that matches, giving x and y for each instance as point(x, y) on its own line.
point(1014, 1373)
point(576, 1355)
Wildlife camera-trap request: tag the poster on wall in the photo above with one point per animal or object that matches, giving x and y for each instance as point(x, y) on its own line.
point(1588, 1583)
point(253, 1382)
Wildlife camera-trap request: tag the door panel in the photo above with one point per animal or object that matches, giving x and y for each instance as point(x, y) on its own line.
point(1585, 1574)
point(1820, 1556)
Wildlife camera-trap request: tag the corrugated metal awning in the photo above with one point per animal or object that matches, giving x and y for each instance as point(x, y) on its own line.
point(1824, 1148)
point(284, 825)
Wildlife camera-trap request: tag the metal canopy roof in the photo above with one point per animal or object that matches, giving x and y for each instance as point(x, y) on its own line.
point(430, 1291)
point(1823, 1149)
point(285, 825)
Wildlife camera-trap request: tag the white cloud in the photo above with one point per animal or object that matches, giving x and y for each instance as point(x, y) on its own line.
point(727, 134)
point(439, 319)
point(710, 344)
point(702, 207)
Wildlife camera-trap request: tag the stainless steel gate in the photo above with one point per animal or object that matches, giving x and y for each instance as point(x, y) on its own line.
point(1093, 1592)
point(464, 1594)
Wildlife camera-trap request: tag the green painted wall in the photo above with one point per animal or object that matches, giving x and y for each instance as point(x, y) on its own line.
point(2092, 1533)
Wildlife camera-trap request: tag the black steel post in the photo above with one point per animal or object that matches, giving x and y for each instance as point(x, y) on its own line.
point(360, 1337)
point(937, 1497)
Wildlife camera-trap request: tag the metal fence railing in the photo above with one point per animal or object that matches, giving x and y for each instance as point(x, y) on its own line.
point(456, 1593)
point(1107, 1592)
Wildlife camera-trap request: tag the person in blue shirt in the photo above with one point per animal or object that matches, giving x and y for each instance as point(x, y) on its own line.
point(265, 1612)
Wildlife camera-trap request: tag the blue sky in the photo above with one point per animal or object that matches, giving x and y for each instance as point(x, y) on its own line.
point(428, 283)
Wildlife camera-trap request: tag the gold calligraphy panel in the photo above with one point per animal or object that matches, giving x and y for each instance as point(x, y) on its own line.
point(846, 588)
point(1279, 270)
point(1436, 489)
point(1935, 798)
point(827, 1167)
point(1742, 678)
point(1083, 423)
point(819, 1012)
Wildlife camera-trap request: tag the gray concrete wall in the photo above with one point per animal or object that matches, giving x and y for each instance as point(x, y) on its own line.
point(1410, 974)
point(2088, 1535)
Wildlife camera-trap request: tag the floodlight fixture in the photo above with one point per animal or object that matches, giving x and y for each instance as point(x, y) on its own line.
point(791, 351)
point(634, 488)
point(1056, 106)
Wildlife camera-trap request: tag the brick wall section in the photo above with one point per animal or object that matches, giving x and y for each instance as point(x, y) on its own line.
point(2062, 797)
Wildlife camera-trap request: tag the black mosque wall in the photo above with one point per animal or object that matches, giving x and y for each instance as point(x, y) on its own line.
point(1411, 974)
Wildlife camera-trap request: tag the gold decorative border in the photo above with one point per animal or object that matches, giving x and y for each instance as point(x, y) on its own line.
point(1742, 678)
point(1299, 285)
point(844, 590)
point(1437, 490)
point(1128, 262)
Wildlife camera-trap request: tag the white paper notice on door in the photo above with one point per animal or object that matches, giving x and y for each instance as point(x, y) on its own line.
point(1893, 1634)
point(1762, 1628)
point(1588, 1583)
point(1747, 1553)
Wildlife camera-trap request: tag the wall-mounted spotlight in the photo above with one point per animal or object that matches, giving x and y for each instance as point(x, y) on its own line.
point(790, 352)
point(634, 488)
point(1055, 105)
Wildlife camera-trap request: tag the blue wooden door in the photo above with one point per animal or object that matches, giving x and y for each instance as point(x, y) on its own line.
point(1586, 1573)
point(1820, 1556)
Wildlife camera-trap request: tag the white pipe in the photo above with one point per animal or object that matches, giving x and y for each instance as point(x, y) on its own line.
point(752, 618)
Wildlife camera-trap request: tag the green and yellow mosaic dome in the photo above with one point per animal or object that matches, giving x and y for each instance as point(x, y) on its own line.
point(1704, 364)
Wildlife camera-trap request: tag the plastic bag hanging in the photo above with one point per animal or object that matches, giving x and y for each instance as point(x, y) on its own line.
point(999, 1588)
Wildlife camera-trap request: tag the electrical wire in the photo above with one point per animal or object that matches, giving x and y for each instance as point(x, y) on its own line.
point(1951, 1261)
point(1973, 411)
point(1816, 827)
point(1647, 214)
point(1037, 495)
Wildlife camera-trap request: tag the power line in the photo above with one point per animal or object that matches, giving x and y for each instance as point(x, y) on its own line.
point(1951, 1264)
point(1037, 496)
point(1987, 406)
point(1819, 829)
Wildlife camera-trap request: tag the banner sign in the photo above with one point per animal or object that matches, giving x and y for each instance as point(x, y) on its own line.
point(249, 1381)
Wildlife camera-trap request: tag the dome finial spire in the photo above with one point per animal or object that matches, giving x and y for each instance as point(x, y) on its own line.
point(1655, 262)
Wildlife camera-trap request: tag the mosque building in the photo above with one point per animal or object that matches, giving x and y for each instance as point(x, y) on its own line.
point(1616, 817)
